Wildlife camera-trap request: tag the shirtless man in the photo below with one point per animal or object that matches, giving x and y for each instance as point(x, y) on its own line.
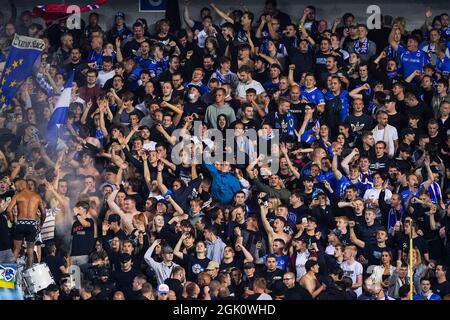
point(86, 166)
point(277, 232)
point(128, 212)
point(309, 280)
point(28, 203)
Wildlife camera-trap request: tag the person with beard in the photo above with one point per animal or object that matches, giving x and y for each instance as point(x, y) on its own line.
point(283, 119)
point(385, 70)
point(260, 70)
point(320, 59)
point(294, 290)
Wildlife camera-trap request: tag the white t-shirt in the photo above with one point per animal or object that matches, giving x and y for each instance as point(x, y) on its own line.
point(243, 87)
point(264, 296)
point(105, 76)
point(300, 264)
point(378, 135)
point(374, 194)
point(353, 271)
point(150, 146)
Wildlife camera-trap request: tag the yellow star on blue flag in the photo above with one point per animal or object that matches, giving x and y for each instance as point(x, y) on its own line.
point(19, 65)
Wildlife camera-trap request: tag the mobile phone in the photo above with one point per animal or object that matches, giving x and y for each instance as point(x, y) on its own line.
point(304, 221)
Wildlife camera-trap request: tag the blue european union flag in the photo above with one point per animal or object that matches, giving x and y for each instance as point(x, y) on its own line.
point(18, 66)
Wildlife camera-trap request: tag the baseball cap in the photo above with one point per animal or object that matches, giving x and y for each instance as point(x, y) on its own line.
point(163, 201)
point(317, 193)
point(196, 87)
point(212, 265)
point(163, 288)
point(124, 257)
point(120, 14)
point(309, 178)
point(389, 98)
point(119, 65)
point(114, 218)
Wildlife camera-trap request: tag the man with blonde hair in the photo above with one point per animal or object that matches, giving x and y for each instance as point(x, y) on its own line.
point(352, 268)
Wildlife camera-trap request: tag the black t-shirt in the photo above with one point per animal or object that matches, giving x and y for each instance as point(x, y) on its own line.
point(320, 61)
point(300, 212)
point(423, 112)
point(379, 164)
point(129, 47)
point(402, 243)
point(185, 194)
point(403, 165)
point(298, 109)
point(297, 293)
point(398, 121)
point(5, 237)
point(272, 277)
point(194, 266)
point(345, 238)
point(373, 253)
point(360, 123)
point(261, 77)
point(83, 238)
point(368, 234)
point(8, 194)
point(54, 263)
point(175, 285)
point(124, 281)
point(441, 289)
point(233, 264)
point(198, 107)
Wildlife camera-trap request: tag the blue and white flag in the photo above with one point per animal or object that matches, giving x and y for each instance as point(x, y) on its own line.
point(61, 112)
point(18, 66)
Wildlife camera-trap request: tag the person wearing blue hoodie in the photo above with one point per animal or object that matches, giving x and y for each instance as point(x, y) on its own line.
point(224, 183)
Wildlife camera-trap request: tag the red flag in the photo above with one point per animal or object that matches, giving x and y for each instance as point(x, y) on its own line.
point(52, 12)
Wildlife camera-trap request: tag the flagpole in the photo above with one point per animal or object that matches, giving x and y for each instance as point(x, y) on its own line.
point(411, 275)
